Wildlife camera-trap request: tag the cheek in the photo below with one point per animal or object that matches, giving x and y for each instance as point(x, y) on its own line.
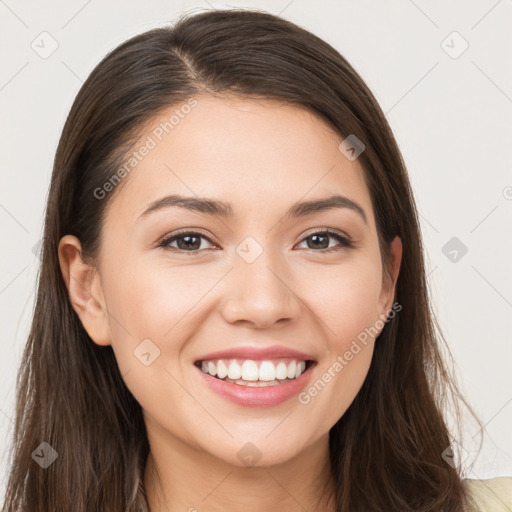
point(158, 302)
point(152, 300)
point(346, 307)
point(345, 300)
point(152, 311)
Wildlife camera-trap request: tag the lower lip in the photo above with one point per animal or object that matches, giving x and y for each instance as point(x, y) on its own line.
point(266, 396)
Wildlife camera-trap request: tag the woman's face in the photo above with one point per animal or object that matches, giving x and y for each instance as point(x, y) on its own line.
point(256, 279)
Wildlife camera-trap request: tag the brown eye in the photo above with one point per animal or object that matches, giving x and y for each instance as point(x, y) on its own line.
point(320, 240)
point(189, 241)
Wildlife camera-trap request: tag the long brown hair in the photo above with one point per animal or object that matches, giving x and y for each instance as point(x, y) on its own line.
point(386, 451)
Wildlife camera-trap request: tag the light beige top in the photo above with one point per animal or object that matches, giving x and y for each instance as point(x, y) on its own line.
point(492, 495)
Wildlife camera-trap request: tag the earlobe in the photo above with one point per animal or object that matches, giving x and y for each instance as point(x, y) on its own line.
point(84, 290)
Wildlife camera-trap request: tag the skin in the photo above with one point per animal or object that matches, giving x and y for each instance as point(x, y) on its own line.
point(262, 157)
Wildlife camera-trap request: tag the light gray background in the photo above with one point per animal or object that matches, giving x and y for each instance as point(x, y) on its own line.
point(451, 117)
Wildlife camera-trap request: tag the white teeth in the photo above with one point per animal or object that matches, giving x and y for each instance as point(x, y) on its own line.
point(254, 371)
point(257, 384)
point(300, 369)
point(281, 371)
point(267, 371)
point(222, 370)
point(291, 370)
point(235, 371)
point(249, 370)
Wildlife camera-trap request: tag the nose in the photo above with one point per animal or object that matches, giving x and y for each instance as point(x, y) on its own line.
point(260, 294)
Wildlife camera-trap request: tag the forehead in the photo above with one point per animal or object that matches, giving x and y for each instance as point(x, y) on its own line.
point(252, 153)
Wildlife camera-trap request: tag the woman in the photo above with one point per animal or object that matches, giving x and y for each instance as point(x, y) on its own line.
point(232, 311)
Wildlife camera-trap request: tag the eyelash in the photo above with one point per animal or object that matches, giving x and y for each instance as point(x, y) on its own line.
point(344, 241)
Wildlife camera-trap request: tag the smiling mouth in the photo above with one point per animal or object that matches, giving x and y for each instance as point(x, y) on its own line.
point(255, 373)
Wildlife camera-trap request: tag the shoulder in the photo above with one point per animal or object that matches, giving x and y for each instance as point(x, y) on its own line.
point(494, 494)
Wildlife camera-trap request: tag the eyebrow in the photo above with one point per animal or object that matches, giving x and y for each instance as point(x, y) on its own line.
point(219, 208)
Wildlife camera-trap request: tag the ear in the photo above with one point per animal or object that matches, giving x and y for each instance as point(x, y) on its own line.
point(84, 288)
point(388, 288)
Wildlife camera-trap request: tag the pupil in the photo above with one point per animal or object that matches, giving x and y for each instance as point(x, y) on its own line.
point(187, 244)
point(323, 246)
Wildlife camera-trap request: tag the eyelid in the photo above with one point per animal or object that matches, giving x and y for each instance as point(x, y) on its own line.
point(330, 231)
point(344, 239)
point(185, 231)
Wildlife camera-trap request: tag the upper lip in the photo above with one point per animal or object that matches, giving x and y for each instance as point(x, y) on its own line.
point(272, 352)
